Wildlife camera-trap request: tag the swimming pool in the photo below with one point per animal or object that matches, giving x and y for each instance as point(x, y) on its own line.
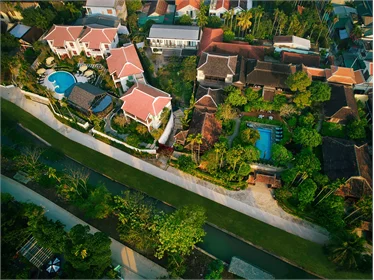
point(61, 81)
point(264, 143)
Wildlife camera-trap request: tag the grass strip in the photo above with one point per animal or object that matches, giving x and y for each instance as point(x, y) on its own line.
point(304, 253)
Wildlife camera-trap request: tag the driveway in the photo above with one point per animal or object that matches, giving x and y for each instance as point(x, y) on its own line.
point(231, 199)
point(134, 265)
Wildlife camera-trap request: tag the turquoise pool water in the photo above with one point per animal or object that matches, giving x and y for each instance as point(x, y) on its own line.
point(264, 143)
point(61, 81)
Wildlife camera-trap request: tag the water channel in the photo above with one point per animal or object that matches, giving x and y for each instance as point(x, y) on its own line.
point(216, 242)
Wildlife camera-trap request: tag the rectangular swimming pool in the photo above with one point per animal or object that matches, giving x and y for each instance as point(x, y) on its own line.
point(264, 143)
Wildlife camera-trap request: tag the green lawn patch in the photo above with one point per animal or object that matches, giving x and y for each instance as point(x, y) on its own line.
point(333, 130)
point(300, 251)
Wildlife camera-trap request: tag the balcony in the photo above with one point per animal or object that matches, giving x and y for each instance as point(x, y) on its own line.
point(172, 46)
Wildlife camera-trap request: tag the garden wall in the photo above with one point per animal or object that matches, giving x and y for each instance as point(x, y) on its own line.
point(94, 131)
point(169, 127)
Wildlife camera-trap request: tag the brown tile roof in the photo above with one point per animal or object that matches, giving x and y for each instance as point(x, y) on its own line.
point(158, 7)
point(342, 104)
point(344, 75)
point(268, 94)
point(245, 50)
point(218, 65)
point(314, 72)
point(298, 58)
point(181, 136)
point(210, 35)
point(184, 3)
point(223, 3)
point(207, 125)
point(343, 159)
point(208, 98)
point(282, 39)
point(268, 74)
point(84, 95)
point(265, 179)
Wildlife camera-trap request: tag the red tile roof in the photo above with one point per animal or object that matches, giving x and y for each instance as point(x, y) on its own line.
point(344, 75)
point(314, 72)
point(124, 62)
point(143, 100)
point(96, 36)
point(298, 58)
point(223, 3)
point(60, 34)
point(247, 51)
point(210, 35)
point(184, 3)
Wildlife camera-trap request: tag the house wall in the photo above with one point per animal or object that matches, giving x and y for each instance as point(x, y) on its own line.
point(200, 75)
point(173, 44)
point(91, 10)
point(188, 10)
point(219, 12)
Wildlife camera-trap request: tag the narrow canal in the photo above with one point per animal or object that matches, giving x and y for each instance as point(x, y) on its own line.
point(216, 242)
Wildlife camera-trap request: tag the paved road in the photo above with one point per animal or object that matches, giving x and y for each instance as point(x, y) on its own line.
point(210, 191)
point(135, 266)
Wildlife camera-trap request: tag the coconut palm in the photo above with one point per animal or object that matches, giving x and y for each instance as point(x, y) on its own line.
point(259, 14)
point(328, 10)
point(275, 14)
point(334, 21)
point(226, 18)
point(199, 141)
point(201, 17)
point(346, 249)
point(244, 21)
point(191, 138)
point(282, 21)
point(232, 16)
point(332, 188)
point(364, 207)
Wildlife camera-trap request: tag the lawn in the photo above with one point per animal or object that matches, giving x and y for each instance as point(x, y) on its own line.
point(304, 253)
point(333, 130)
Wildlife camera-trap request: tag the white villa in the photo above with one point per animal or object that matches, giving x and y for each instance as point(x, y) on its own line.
point(107, 7)
point(124, 66)
point(174, 37)
point(72, 40)
point(187, 7)
point(219, 7)
point(144, 104)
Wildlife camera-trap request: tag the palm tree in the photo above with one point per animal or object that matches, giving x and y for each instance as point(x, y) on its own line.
point(364, 206)
point(259, 14)
point(244, 21)
point(281, 22)
point(333, 187)
point(346, 249)
point(191, 138)
point(334, 21)
point(232, 15)
point(199, 141)
point(275, 14)
point(328, 10)
point(202, 18)
point(226, 18)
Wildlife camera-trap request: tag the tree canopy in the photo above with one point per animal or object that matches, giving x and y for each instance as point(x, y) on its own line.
point(298, 81)
point(280, 155)
point(306, 161)
point(189, 68)
point(320, 91)
point(41, 18)
point(305, 192)
point(226, 112)
point(303, 99)
point(185, 20)
point(249, 136)
point(307, 137)
point(9, 42)
point(356, 128)
point(236, 98)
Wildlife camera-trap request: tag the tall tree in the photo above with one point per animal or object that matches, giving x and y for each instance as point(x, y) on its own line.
point(305, 192)
point(244, 21)
point(179, 231)
point(298, 81)
point(249, 136)
point(320, 92)
point(280, 155)
point(192, 139)
point(98, 204)
point(364, 207)
point(225, 112)
point(236, 98)
point(49, 234)
point(307, 137)
point(201, 17)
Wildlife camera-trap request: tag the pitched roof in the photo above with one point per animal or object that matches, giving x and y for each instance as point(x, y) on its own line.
point(181, 136)
point(208, 97)
point(210, 35)
point(96, 36)
point(268, 74)
point(314, 72)
point(344, 75)
point(245, 50)
point(142, 100)
point(59, 34)
point(84, 95)
point(298, 58)
point(98, 20)
point(184, 3)
point(342, 103)
point(124, 61)
point(343, 159)
point(238, 3)
point(32, 35)
point(158, 7)
point(207, 125)
point(217, 65)
point(175, 32)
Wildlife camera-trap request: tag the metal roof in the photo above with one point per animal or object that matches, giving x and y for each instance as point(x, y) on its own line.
point(175, 32)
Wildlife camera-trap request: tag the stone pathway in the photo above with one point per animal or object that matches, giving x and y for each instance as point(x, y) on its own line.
point(245, 201)
point(236, 131)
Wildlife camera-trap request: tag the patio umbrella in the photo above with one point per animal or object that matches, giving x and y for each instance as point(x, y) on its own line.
point(40, 71)
point(49, 60)
point(88, 73)
point(83, 68)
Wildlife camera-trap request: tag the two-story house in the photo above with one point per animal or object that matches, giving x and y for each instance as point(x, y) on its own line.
point(218, 70)
point(144, 104)
point(72, 40)
point(179, 39)
point(187, 7)
point(107, 7)
point(219, 7)
point(124, 66)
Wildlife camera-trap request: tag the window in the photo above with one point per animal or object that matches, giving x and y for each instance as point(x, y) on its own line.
point(89, 11)
point(72, 45)
point(109, 11)
point(74, 52)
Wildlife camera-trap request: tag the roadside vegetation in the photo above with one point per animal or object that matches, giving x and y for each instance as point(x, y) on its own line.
point(297, 250)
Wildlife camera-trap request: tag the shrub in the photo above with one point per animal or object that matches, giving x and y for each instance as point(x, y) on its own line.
point(133, 140)
point(141, 129)
point(228, 36)
point(185, 163)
